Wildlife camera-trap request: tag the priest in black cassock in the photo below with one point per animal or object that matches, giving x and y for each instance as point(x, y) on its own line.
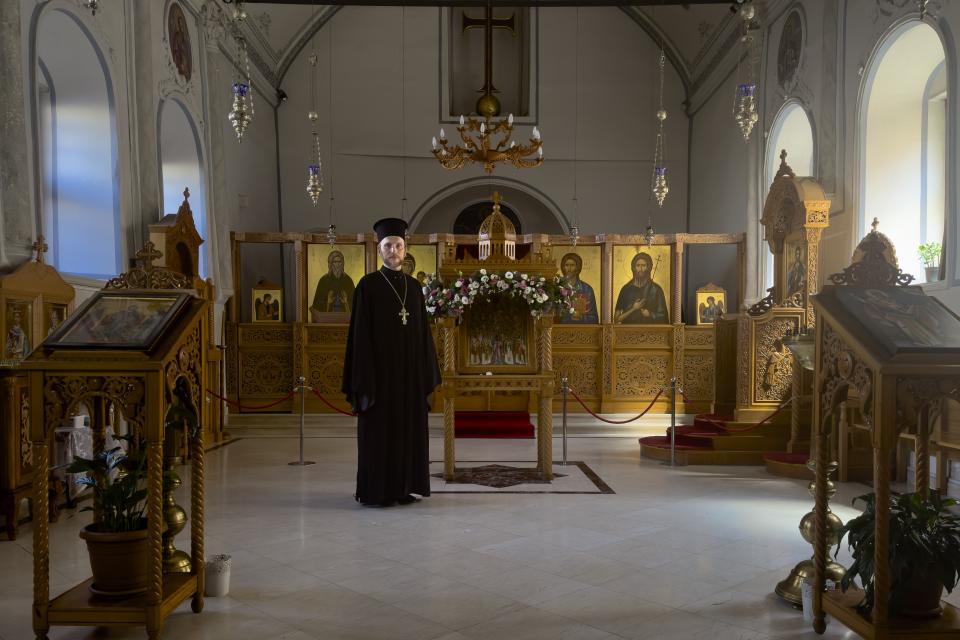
point(389, 371)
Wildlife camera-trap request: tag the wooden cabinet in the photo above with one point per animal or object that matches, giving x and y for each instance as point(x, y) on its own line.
point(877, 348)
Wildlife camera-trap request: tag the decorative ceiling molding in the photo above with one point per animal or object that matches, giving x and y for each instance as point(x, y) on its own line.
point(676, 59)
point(301, 40)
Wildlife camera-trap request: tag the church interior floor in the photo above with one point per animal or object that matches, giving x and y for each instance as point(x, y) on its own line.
point(673, 554)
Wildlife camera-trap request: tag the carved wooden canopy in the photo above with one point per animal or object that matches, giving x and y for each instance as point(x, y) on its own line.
point(178, 240)
point(794, 215)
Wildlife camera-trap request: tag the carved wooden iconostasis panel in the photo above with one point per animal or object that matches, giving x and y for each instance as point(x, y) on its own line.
point(612, 365)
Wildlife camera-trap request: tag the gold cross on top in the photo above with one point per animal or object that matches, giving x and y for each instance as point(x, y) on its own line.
point(147, 255)
point(41, 247)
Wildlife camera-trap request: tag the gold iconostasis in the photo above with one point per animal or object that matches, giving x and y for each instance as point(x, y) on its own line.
point(620, 284)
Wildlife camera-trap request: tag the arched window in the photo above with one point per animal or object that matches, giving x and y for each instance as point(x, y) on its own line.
point(793, 133)
point(78, 149)
point(903, 144)
point(181, 167)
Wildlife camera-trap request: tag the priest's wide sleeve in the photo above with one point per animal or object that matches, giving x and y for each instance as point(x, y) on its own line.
point(359, 383)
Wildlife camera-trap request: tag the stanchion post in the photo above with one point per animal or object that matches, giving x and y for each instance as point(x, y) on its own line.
point(302, 388)
point(565, 382)
point(673, 422)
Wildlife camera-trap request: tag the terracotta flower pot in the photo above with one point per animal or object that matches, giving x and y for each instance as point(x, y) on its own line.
point(118, 561)
point(920, 597)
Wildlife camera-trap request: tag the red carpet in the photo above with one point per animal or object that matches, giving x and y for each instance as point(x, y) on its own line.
point(493, 424)
point(703, 425)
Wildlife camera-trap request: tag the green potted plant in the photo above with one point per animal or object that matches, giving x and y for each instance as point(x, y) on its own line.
point(924, 557)
point(930, 254)
point(117, 542)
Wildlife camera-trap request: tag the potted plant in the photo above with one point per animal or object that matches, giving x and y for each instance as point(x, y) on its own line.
point(930, 254)
point(924, 557)
point(117, 542)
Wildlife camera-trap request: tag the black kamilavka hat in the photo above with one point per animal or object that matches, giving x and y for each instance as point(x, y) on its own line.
point(390, 227)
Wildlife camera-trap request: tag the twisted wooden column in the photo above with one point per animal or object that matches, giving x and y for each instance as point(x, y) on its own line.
point(449, 330)
point(155, 526)
point(545, 410)
point(41, 539)
point(922, 451)
point(196, 518)
point(820, 527)
point(881, 557)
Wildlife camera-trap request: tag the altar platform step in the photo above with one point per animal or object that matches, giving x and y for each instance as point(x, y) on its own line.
point(716, 440)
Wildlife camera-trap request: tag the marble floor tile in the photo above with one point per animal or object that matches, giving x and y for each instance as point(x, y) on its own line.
point(674, 554)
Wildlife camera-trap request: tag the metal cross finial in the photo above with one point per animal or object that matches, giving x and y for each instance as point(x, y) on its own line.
point(186, 193)
point(41, 247)
point(875, 224)
point(147, 255)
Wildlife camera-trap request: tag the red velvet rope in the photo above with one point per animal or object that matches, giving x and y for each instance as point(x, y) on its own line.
point(326, 402)
point(642, 413)
point(244, 407)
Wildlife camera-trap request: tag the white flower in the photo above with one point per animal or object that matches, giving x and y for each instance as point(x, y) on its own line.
point(523, 276)
point(458, 283)
point(473, 285)
point(485, 279)
point(465, 300)
point(431, 309)
point(483, 272)
point(508, 274)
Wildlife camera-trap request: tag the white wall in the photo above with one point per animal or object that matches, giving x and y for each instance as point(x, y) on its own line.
point(616, 123)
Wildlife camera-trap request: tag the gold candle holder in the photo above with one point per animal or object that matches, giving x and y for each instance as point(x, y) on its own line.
point(790, 588)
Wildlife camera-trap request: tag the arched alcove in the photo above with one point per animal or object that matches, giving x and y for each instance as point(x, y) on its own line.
point(536, 213)
point(76, 128)
point(181, 165)
point(792, 132)
point(903, 135)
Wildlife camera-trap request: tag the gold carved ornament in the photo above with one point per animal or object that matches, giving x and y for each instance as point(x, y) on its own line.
point(698, 374)
point(641, 376)
point(841, 369)
point(149, 276)
point(580, 370)
point(62, 394)
point(266, 373)
point(774, 379)
point(325, 372)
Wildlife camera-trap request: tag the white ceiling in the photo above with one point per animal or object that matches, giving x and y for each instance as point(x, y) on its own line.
point(691, 31)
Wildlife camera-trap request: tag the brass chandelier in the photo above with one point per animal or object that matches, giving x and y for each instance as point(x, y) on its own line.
point(493, 142)
point(482, 148)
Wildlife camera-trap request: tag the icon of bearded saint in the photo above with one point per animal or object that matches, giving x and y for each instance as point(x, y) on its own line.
point(334, 292)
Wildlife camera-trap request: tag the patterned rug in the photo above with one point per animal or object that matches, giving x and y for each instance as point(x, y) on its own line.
point(481, 477)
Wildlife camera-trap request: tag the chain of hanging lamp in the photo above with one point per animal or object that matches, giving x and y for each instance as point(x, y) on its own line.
point(659, 186)
point(403, 121)
point(241, 110)
point(745, 97)
point(575, 227)
point(332, 226)
point(315, 166)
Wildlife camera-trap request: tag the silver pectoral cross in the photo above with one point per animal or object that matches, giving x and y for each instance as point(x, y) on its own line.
point(403, 315)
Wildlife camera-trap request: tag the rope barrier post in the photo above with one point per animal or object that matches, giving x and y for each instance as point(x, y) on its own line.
point(564, 381)
point(673, 422)
point(302, 387)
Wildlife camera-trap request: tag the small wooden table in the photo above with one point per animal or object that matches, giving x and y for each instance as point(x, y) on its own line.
point(541, 384)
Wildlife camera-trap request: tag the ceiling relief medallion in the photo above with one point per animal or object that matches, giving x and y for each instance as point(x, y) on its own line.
point(790, 51)
point(178, 36)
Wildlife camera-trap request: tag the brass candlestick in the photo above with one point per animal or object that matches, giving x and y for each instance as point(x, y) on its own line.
point(790, 587)
point(174, 560)
point(181, 418)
